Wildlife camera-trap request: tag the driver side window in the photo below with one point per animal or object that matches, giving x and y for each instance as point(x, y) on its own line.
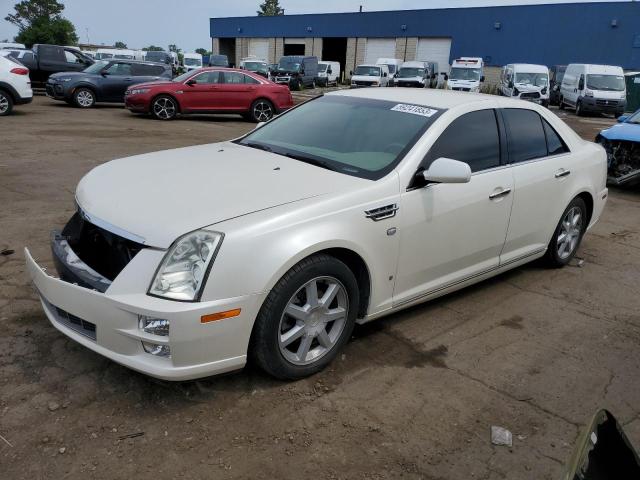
point(472, 138)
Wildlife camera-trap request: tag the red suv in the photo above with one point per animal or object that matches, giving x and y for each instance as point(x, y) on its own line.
point(211, 90)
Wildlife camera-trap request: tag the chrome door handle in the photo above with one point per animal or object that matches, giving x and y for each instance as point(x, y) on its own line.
point(504, 192)
point(563, 173)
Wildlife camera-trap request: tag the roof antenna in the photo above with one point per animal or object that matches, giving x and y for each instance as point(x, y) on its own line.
point(360, 8)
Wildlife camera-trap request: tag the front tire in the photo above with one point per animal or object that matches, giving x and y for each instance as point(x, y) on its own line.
point(6, 103)
point(164, 108)
point(567, 235)
point(84, 98)
point(579, 109)
point(262, 110)
point(306, 319)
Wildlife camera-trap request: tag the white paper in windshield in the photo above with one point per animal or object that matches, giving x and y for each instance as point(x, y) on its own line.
point(414, 109)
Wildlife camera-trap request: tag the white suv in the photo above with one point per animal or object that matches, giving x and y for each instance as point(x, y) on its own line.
point(15, 86)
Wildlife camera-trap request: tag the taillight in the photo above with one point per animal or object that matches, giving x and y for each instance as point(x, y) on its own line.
point(20, 71)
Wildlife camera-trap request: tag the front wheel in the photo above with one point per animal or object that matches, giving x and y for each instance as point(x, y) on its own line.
point(306, 319)
point(579, 109)
point(6, 103)
point(84, 98)
point(568, 234)
point(164, 108)
point(261, 110)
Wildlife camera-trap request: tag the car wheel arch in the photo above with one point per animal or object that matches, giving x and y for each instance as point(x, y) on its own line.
point(9, 90)
point(86, 86)
point(166, 94)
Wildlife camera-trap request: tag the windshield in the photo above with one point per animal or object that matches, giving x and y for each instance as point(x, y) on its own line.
point(605, 82)
point(635, 118)
point(185, 76)
point(156, 56)
point(96, 67)
point(392, 68)
point(411, 72)
point(218, 61)
point(536, 79)
point(322, 67)
point(124, 57)
point(458, 73)
point(366, 71)
point(344, 134)
point(192, 62)
point(289, 65)
point(255, 66)
point(101, 56)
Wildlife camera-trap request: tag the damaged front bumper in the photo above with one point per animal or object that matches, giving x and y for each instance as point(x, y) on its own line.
point(623, 161)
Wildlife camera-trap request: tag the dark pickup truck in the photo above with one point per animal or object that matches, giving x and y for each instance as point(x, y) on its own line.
point(48, 59)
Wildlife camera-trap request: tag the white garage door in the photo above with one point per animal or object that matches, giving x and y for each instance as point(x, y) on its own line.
point(379, 48)
point(435, 50)
point(259, 48)
point(294, 41)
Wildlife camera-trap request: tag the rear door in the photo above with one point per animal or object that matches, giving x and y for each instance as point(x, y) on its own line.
point(204, 94)
point(541, 165)
point(238, 91)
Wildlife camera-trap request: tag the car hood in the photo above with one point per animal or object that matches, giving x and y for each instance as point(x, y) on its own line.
point(156, 197)
point(527, 87)
point(74, 75)
point(366, 78)
point(622, 131)
point(410, 79)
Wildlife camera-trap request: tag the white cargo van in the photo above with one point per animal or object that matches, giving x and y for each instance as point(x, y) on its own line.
point(328, 73)
point(393, 64)
point(526, 82)
point(370, 75)
point(466, 74)
point(192, 61)
point(11, 45)
point(593, 88)
point(413, 74)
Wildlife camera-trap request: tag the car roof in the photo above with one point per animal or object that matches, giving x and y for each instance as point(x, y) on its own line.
point(530, 67)
point(428, 97)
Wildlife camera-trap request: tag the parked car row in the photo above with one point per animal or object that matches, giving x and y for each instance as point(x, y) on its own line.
point(15, 85)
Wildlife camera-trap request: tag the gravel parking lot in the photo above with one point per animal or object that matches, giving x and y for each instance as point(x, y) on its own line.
point(414, 396)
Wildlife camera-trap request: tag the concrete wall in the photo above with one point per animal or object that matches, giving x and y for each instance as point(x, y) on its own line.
point(492, 75)
point(215, 46)
point(279, 49)
point(355, 54)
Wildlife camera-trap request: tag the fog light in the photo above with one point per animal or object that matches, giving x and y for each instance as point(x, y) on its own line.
point(157, 350)
point(154, 326)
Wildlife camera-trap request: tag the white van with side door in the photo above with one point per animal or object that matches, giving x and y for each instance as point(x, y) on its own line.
point(593, 88)
point(526, 82)
point(328, 73)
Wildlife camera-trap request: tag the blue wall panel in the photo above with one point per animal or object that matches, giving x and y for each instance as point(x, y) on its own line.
point(546, 34)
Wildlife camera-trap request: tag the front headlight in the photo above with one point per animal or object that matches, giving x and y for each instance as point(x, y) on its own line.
point(137, 91)
point(184, 268)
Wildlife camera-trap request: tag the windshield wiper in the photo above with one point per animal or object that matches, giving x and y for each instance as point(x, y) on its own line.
point(310, 160)
point(259, 146)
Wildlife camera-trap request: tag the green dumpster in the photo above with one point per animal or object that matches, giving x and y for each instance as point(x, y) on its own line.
point(632, 79)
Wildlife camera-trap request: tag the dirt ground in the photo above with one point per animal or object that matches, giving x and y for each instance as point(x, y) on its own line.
point(413, 396)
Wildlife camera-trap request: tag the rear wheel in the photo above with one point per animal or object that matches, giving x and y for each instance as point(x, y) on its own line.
point(84, 98)
point(164, 108)
point(6, 103)
point(568, 234)
point(306, 319)
point(262, 110)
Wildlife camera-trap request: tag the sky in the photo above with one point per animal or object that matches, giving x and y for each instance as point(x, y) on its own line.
point(140, 23)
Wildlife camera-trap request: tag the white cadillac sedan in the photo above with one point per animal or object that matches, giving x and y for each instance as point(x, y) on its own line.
point(185, 263)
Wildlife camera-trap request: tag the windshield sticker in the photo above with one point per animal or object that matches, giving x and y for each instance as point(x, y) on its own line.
point(414, 109)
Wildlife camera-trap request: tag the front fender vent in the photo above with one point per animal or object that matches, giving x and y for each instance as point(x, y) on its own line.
point(381, 213)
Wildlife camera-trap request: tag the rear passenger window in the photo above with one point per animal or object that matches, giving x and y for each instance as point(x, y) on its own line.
point(555, 145)
point(527, 140)
point(248, 79)
point(472, 138)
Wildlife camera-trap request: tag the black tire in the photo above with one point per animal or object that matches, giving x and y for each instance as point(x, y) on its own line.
point(579, 109)
point(262, 110)
point(6, 103)
point(265, 349)
point(313, 85)
point(553, 258)
point(84, 98)
point(299, 85)
point(545, 103)
point(164, 107)
point(561, 103)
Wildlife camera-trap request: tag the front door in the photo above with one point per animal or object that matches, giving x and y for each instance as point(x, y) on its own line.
point(453, 232)
point(115, 80)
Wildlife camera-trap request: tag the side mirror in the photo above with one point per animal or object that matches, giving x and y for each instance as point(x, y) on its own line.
point(329, 71)
point(622, 118)
point(581, 84)
point(384, 74)
point(510, 83)
point(351, 72)
point(482, 79)
point(104, 73)
point(603, 451)
point(191, 82)
point(447, 170)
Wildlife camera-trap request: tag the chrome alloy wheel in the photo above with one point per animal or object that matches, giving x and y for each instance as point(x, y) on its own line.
point(313, 320)
point(164, 108)
point(570, 232)
point(4, 103)
point(85, 98)
point(262, 111)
